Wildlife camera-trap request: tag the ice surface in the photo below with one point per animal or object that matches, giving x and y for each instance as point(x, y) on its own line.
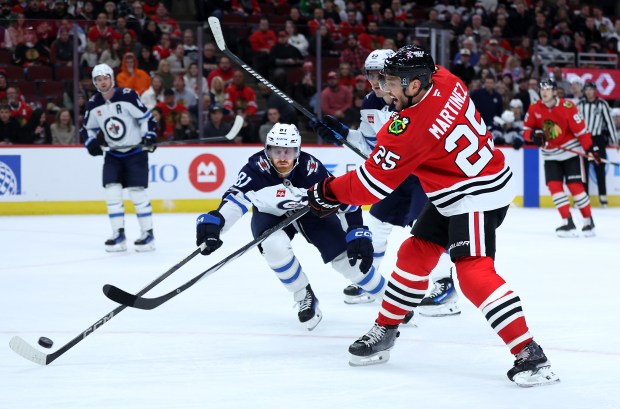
point(233, 340)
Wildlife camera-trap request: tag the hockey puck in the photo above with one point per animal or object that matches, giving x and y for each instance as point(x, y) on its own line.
point(45, 342)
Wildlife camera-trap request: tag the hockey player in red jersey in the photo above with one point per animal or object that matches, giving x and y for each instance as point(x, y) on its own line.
point(438, 135)
point(555, 125)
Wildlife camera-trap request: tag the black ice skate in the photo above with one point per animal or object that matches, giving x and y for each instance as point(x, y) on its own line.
point(309, 312)
point(354, 294)
point(408, 320)
point(118, 242)
point(442, 301)
point(146, 242)
point(374, 347)
point(603, 200)
point(532, 368)
point(588, 227)
point(567, 229)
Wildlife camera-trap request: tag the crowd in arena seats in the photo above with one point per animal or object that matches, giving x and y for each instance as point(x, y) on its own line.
point(500, 49)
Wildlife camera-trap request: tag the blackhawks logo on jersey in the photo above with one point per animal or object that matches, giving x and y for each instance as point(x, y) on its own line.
point(398, 125)
point(568, 104)
point(551, 129)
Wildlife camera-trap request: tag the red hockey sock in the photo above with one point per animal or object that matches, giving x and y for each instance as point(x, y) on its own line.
point(499, 304)
point(560, 200)
point(409, 280)
point(582, 200)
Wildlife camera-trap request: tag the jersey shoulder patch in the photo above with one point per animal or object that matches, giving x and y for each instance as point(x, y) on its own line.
point(398, 125)
point(568, 104)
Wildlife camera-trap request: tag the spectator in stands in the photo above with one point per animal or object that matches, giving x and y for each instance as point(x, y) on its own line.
point(121, 27)
point(245, 8)
point(89, 58)
point(191, 80)
point(239, 95)
point(328, 48)
point(190, 49)
point(335, 99)
point(496, 55)
point(31, 51)
point(484, 67)
point(284, 55)
point(304, 91)
point(320, 20)
point(261, 42)
point(488, 101)
point(10, 129)
point(154, 94)
point(150, 36)
point(375, 13)
point(35, 10)
point(171, 111)
point(470, 44)
point(558, 77)
point(178, 61)
point(166, 24)
point(516, 106)
point(185, 129)
point(163, 71)
point(17, 29)
point(112, 55)
point(216, 125)
point(288, 114)
point(509, 82)
point(150, 7)
point(87, 12)
point(463, 68)
point(129, 44)
point(524, 51)
point(388, 26)
point(101, 33)
point(351, 24)
point(161, 128)
point(209, 59)
point(36, 130)
point(576, 89)
point(3, 86)
point(300, 21)
point(131, 76)
point(137, 19)
point(331, 12)
point(109, 8)
point(218, 90)
point(20, 110)
point(591, 33)
point(296, 39)
point(360, 89)
point(481, 32)
point(520, 19)
point(224, 70)
point(562, 36)
point(63, 130)
point(273, 117)
point(182, 95)
point(602, 23)
point(162, 50)
point(354, 54)
point(61, 54)
point(346, 75)
point(248, 132)
point(371, 39)
point(147, 60)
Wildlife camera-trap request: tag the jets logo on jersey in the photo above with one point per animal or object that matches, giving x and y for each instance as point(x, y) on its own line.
point(115, 128)
point(398, 125)
point(280, 192)
point(312, 166)
point(263, 165)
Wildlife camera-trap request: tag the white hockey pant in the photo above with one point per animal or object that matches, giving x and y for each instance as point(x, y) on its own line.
point(372, 282)
point(279, 255)
point(144, 211)
point(114, 203)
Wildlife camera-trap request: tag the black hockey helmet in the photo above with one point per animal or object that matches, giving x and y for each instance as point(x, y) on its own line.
point(590, 85)
point(409, 63)
point(548, 83)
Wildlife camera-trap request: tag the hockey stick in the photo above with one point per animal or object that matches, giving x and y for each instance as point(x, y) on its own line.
point(588, 156)
point(234, 130)
point(23, 348)
point(137, 301)
point(216, 28)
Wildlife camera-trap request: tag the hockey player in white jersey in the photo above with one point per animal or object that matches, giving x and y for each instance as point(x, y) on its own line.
point(403, 206)
point(125, 123)
point(273, 183)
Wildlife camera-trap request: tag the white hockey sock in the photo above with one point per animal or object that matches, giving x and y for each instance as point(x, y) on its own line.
point(372, 282)
point(279, 255)
point(380, 233)
point(114, 203)
point(143, 207)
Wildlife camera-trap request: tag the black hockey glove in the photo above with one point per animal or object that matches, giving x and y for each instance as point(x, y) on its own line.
point(149, 141)
point(538, 138)
point(93, 147)
point(517, 143)
point(320, 199)
point(208, 228)
point(594, 154)
point(329, 127)
point(359, 247)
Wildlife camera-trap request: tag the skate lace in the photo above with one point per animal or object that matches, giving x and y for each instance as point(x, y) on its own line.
point(306, 303)
point(375, 335)
point(524, 355)
point(437, 290)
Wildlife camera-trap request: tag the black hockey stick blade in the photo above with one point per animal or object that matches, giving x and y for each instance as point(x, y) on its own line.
point(27, 351)
point(137, 301)
point(216, 29)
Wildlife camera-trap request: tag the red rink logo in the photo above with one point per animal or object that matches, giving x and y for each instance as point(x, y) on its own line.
point(206, 172)
point(280, 193)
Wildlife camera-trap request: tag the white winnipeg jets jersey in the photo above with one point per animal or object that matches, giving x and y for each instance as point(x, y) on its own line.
point(124, 119)
point(375, 113)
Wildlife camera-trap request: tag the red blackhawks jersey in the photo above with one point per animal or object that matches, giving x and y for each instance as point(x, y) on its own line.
point(562, 125)
point(444, 141)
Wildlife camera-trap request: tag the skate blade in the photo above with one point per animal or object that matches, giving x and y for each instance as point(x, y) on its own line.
point(375, 359)
point(145, 247)
point(567, 234)
point(538, 377)
point(314, 321)
point(116, 248)
point(443, 310)
point(590, 233)
point(358, 299)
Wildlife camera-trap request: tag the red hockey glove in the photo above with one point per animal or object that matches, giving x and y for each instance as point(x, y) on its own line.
point(320, 199)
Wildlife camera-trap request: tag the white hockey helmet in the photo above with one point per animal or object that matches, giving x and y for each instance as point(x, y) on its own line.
point(102, 69)
point(283, 136)
point(376, 60)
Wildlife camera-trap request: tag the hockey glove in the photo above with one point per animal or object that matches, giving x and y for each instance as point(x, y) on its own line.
point(359, 247)
point(594, 154)
point(329, 127)
point(538, 138)
point(320, 199)
point(208, 228)
point(517, 143)
point(149, 141)
point(93, 147)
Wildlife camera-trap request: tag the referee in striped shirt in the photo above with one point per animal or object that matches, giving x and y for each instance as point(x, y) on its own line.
point(597, 115)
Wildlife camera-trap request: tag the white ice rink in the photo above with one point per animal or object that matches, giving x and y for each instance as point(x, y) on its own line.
point(233, 340)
